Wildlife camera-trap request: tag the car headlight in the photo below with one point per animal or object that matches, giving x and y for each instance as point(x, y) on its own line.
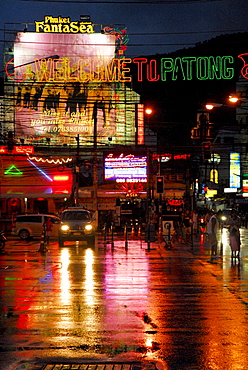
point(64, 227)
point(88, 227)
point(223, 218)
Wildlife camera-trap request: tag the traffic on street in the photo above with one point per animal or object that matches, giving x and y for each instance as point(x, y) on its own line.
point(123, 303)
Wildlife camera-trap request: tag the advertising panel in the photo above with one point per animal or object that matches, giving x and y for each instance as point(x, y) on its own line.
point(234, 170)
point(65, 83)
point(126, 169)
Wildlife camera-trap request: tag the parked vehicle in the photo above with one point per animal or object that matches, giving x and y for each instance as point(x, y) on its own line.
point(31, 225)
point(3, 240)
point(76, 224)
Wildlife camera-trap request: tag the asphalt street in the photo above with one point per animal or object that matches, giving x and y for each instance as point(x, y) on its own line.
point(123, 305)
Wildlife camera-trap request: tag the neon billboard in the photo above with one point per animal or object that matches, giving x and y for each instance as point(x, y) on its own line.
point(125, 169)
point(62, 25)
point(66, 81)
point(235, 170)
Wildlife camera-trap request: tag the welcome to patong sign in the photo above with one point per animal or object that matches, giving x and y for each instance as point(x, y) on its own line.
point(119, 70)
point(78, 66)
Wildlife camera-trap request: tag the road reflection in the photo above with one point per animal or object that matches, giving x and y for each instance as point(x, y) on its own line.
point(104, 297)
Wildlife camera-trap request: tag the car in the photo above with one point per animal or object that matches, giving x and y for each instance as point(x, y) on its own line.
point(76, 224)
point(224, 215)
point(31, 225)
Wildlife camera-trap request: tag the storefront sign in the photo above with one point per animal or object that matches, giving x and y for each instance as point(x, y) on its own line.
point(23, 150)
point(175, 202)
point(234, 170)
point(3, 149)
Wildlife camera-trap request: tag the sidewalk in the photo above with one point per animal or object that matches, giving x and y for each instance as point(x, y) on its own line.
point(199, 246)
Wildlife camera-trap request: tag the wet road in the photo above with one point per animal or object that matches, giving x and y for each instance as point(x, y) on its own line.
point(77, 303)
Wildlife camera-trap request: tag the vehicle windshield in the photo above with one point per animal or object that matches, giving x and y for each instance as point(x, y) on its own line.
point(76, 215)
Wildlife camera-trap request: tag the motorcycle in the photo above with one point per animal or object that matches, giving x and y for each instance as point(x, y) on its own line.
point(3, 240)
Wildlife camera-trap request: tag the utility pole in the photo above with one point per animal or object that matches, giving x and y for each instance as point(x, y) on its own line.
point(77, 170)
point(95, 172)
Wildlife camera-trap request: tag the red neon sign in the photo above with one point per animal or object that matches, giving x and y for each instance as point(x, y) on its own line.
point(3, 149)
point(244, 69)
point(140, 119)
point(132, 189)
point(175, 202)
point(23, 150)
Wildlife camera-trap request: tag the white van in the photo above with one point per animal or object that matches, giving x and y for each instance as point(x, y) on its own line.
point(31, 225)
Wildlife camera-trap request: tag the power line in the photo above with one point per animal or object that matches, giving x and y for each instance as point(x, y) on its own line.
point(149, 2)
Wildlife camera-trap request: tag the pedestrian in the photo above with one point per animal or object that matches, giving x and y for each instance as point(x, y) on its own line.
point(207, 218)
point(47, 226)
point(234, 224)
point(109, 220)
point(195, 221)
point(186, 226)
point(212, 229)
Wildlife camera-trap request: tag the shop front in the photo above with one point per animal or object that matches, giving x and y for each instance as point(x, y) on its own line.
point(29, 187)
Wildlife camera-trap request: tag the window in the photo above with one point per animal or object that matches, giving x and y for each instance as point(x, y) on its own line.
point(29, 219)
point(77, 215)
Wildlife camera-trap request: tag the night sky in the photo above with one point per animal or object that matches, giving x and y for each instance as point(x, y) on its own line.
point(158, 26)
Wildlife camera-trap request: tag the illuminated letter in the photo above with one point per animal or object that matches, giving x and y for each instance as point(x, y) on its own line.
point(65, 29)
point(74, 27)
point(47, 28)
point(41, 70)
point(95, 68)
point(125, 70)
point(178, 67)
point(112, 71)
point(82, 28)
point(59, 70)
point(214, 67)
point(39, 25)
point(152, 71)
point(189, 61)
point(201, 68)
point(83, 76)
point(90, 28)
point(227, 73)
point(48, 19)
point(166, 67)
point(140, 61)
point(54, 28)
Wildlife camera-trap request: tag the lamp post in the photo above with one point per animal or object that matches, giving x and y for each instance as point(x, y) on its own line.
point(148, 111)
point(95, 172)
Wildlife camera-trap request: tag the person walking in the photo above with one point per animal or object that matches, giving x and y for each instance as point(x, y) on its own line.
point(234, 224)
point(47, 226)
point(195, 221)
point(186, 226)
point(212, 229)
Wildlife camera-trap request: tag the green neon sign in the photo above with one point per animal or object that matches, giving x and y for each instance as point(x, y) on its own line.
point(13, 170)
point(201, 68)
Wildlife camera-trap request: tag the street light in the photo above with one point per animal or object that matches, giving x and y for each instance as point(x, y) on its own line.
point(210, 106)
point(148, 111)
point(233, 98)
